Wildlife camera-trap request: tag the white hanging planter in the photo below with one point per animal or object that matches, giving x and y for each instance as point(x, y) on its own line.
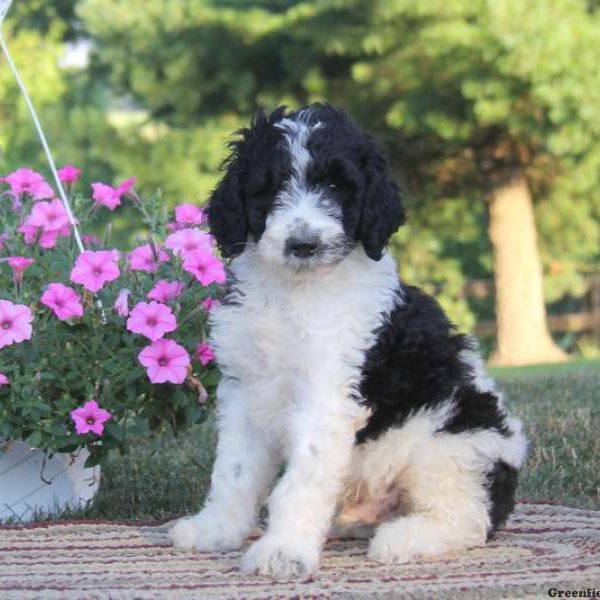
point(33, 482)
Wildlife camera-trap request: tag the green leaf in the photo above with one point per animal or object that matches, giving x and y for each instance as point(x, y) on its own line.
point(114, 430)
point(35, 439)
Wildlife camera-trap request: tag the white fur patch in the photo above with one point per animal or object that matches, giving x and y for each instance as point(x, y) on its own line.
point(296, 134)
point(293, 352)
point(442, 475)
point(481, 380)
point(299, 207)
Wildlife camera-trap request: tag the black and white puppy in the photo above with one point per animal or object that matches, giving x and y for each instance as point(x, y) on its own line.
point(359, 383)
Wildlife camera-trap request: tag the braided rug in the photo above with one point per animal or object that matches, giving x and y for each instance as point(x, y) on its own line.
point(543, 546)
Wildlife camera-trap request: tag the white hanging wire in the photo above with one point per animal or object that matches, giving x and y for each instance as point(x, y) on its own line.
point(4, 6)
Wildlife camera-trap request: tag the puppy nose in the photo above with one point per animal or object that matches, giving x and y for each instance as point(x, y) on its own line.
point(301, 248)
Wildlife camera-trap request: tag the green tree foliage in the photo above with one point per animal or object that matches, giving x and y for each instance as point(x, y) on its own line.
point(458, 91)
point(46, 18)
point(38, 59)
point(198, 69)
point(464, 90)
point(69, 104)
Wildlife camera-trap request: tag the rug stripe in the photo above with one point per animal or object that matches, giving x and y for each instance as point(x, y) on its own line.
point(543, 546)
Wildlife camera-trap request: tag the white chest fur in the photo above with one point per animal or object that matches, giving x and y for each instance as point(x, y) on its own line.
point(294, 332)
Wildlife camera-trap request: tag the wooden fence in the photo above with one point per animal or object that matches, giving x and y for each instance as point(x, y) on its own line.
point(587, 320)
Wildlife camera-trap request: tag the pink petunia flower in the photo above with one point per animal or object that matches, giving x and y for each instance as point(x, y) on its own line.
point(165, 360)
point(51, 216)
point(126, 186)
point(164, 290)
point(205, 267)
point(189, 240)
point(90, 240)
point(46, 222)
point(151, 319)
point(69, 174)
point(105, 195)
point(142, 258)
point(90, 417)
point(63, 300)
point(109, 196)
point(26, 181)
point(121, 305)
point(94, 269)
point(205, 353)
point(4, 379)
point(33, 234)
point(189, 214)
point(209, 303)
point(18, 264)
point(15, 323)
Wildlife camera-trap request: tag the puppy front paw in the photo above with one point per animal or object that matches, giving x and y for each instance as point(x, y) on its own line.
point(388, 548)
point(206, 533)
point(279, 558)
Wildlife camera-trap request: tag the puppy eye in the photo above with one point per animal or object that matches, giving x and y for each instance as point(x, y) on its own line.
point(332, 186)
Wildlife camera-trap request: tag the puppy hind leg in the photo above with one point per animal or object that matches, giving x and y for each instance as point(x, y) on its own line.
point(449, 512)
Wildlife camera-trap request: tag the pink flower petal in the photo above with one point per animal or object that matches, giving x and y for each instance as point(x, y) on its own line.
point(189, 214)
point(164, 290)
point(120, 304)
point(26, 181)
point(165, 360)
point(15, 323)
point(142, 258)
point(152, 320)
point(63, 301)
point(188, 241)
point(90, 417)
point(69, 174)
point(95, 268)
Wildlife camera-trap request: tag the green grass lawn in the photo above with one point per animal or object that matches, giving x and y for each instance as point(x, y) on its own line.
point(560, 406)
point(566, 368)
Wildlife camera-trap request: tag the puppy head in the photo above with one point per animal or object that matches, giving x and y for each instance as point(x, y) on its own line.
point(305, 187)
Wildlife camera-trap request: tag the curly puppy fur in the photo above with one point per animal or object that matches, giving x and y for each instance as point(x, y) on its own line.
point(359, 384)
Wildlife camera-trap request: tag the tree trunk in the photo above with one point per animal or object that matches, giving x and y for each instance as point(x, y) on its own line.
point(522, 332)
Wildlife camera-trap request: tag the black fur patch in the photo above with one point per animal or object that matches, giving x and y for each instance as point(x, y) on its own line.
point(347, 158)
point(502, 485)
point(476, 410)
point(416, 364)
point(254, 173)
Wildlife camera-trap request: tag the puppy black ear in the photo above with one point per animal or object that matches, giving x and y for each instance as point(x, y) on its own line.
point(382, 204)
point(239, 204)
point(227, 215)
